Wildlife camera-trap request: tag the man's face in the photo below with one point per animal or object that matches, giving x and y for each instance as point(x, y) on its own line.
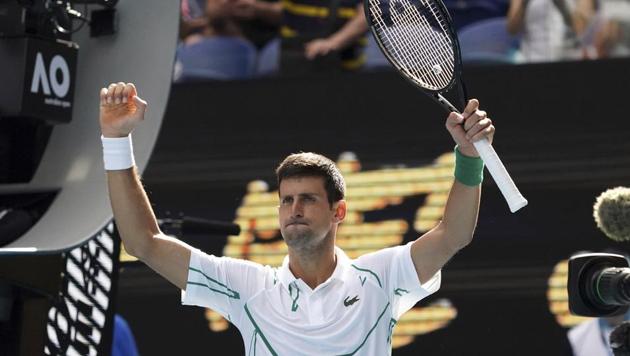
point(306, 216)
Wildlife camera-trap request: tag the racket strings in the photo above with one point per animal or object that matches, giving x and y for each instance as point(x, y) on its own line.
point(421, 56)
point(407, 56)
point(403, 51)
point(408, 28)
point(428, 47)
point(443, 41)
point(423, 51)
point(411, 52)
point(402, 48)
point(394, 47)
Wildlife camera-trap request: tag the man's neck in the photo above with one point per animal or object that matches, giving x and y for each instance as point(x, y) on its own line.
point(314, 267)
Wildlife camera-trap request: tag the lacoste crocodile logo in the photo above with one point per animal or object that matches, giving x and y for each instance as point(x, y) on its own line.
point(348, 303)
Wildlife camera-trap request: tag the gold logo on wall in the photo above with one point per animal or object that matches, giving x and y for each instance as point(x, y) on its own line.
point(558, 296)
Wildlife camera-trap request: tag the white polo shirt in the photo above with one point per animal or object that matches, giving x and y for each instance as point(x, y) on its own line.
point(351, 313)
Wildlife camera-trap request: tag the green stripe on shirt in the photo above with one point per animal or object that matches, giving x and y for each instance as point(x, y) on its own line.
point(230, 292)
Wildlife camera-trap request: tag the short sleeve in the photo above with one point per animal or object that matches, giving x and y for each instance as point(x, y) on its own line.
point(400, 279)
point(223, 284)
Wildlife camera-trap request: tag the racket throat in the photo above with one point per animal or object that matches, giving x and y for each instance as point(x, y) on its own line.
point(445, 103)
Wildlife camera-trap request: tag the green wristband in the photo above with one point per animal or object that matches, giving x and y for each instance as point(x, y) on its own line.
point(468, 170)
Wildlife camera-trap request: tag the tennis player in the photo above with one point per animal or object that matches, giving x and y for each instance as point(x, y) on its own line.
point(319, 301)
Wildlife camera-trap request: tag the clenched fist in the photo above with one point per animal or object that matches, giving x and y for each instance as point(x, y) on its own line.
point(120, 110)
point(470, 126)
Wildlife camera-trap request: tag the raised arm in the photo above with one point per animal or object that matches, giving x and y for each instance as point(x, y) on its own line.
point(120, 111)
point(516, 16)
point(350, 32)
point(431, 251)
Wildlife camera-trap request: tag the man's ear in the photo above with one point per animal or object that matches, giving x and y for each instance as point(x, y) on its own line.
point(340, 211)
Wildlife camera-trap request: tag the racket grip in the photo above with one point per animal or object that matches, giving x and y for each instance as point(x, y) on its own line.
point(500, 175)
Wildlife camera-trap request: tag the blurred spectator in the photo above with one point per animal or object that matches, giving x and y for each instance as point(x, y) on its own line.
point(123, 343)
point(257, 30)
point(332, 38)
point(259, 20)
point(551, 29)
point(316, 36)
point(465, 12)
point(219, 51)
point(592, 338)
point(193, 19)
point(612, 37)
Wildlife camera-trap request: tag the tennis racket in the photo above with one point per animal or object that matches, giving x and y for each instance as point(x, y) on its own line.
point(418, 39)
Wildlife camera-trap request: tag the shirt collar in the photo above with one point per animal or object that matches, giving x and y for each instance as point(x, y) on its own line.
point(343, 262)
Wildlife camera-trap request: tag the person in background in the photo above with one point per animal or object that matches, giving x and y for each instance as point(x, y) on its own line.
point(219, 50)
point(551, 30)
point(258, 26)
point(193, 18)
point(123, 343)
point(612, 37)
point(219, 20)
point(319, 301)
point(316, 36)
point(592, 338)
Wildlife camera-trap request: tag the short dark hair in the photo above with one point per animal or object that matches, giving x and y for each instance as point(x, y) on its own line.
point(309, 164)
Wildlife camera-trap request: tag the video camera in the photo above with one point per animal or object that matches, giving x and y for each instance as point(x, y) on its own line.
point(599, 284)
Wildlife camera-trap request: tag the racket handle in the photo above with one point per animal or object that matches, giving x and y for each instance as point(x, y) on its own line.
point(500, 175)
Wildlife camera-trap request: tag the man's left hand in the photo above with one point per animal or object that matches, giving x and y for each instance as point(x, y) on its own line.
point(470, 126)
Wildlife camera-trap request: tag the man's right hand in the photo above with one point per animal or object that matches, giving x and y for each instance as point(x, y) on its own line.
point(120, 109)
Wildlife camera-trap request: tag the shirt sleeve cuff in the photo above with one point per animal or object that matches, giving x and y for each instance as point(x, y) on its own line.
point(188, 297)
point(429, 287)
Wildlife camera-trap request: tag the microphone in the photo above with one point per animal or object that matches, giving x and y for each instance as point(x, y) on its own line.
point(612, 213)
point(599, 284)
point(193, 225)
point(619, 341)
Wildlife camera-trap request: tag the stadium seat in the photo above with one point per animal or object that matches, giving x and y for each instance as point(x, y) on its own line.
point(375, 58)
point(487, 41)
point(217, 58)
point(269, 58)
point(466, 12)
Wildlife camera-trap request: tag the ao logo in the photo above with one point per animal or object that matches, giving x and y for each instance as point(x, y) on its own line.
point(58, 63)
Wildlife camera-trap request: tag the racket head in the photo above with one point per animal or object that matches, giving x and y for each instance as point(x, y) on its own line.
point(417, 37)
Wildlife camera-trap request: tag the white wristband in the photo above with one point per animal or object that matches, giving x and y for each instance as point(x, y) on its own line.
point(117, 153)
